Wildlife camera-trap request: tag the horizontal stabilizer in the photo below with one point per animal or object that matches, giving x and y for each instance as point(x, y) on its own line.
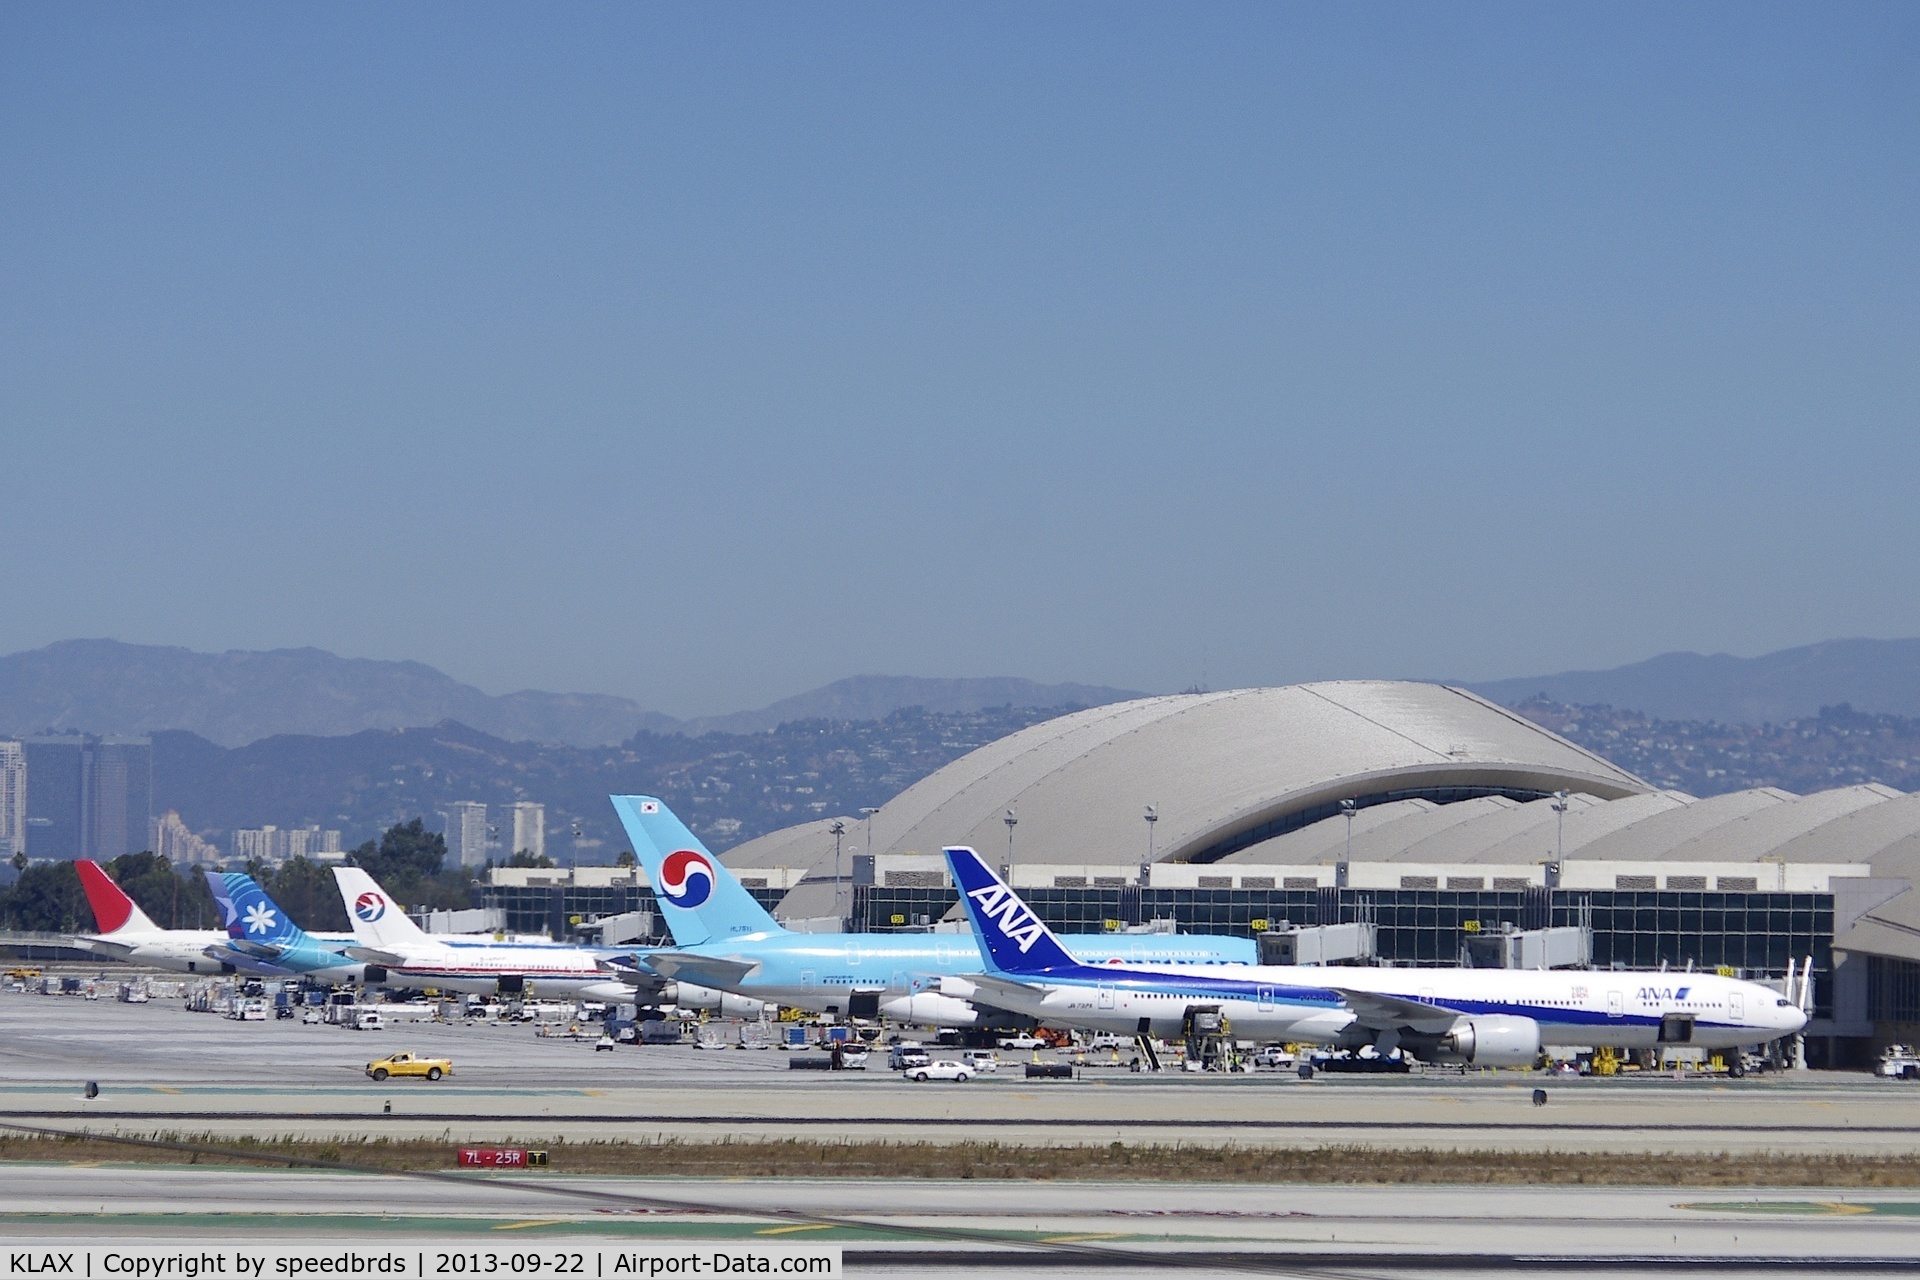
point(988, 986)
point(102, 947)
point(258, 950)
point(1383, 1013)
point(709, 971)
point(373, 955)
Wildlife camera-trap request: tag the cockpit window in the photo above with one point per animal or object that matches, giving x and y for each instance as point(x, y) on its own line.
point(1783, 1004)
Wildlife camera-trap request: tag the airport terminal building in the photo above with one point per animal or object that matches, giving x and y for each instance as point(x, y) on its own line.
point(1438, 821)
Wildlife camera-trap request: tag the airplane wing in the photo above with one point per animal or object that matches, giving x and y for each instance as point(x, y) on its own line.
point(373, 955)
point(711, 971)
point(1383, 1013)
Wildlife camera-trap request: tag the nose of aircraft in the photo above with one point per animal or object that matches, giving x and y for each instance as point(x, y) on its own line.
point(1792, 1020)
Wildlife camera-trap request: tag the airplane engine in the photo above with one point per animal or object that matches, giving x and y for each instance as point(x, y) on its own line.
point(688, 996)
point(1498, 1040)
point(928, 1009)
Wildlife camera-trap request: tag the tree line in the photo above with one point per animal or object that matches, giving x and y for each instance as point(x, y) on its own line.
point(407, 860)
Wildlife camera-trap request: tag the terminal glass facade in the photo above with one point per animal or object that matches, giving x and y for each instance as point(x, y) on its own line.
point(551, 909)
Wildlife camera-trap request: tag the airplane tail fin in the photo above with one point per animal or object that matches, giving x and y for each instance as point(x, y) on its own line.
point(113, 911)
point(378, 921)
point(249, 914)
point(1013, 940)
point(700, 898)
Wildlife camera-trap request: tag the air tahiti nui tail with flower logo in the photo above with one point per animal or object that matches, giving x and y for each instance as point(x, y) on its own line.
point(700, 898)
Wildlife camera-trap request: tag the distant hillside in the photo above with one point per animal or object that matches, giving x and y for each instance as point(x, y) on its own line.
point(874, 697)
point(1839, 747)
point(1879, 676)
point(728, 787)
point(232, 698)
point(237, 697)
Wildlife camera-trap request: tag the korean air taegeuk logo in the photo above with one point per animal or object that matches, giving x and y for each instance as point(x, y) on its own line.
point(369, 906)
point(686, 878)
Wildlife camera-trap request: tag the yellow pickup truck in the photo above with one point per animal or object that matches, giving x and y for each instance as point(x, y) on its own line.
point(407, 1064)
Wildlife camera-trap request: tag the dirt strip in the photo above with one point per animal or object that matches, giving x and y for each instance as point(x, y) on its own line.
point(1126, 1162)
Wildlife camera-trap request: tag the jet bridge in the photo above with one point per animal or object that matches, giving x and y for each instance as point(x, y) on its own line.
point(1565, 947)
point(1352, 943)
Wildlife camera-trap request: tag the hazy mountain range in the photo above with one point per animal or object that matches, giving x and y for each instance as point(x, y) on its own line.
point(1879, 676)
point(237, 697)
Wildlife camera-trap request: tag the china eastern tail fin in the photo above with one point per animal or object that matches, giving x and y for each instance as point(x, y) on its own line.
point(700, 898)
point(113, 911)
point(378, 921)
point(1013, 940)
point(249, 914)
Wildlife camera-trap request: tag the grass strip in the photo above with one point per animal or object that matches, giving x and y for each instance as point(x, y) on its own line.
point(1115, 1162)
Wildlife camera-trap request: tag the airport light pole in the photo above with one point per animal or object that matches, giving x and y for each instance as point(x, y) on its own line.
point(1012, 821)
point(1560, 826)
point(1152, 816)
point(1347, 807)
point(866, 815)
point(839, 829)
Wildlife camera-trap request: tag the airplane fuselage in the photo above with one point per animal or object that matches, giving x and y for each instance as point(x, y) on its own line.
point(483, 968)
point(1571, 1007)
point(822, 972)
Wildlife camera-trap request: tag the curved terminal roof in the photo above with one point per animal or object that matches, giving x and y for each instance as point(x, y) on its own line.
point(1224, 770)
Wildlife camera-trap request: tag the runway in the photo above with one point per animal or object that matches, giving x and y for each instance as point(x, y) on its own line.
point(880, 1223)
point(159, 1067)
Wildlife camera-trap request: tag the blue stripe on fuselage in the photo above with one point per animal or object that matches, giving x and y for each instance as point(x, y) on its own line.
point(1199, 985)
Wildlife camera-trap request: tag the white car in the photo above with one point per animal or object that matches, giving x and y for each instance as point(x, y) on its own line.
point(943, 1069)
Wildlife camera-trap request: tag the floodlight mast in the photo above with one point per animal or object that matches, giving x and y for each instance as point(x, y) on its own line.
point(838, 829)
point(1012, 820)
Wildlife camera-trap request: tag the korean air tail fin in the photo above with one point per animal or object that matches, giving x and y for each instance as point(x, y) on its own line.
point(113, 911)
point(249, 914)
point(1013, 940)
point(700, 898)
point(378, 921)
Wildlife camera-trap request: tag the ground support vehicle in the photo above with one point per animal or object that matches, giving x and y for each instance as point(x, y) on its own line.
point(407, 1064)
point(1899, 1062)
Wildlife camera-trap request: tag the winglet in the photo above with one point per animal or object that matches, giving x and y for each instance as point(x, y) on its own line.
point(1012, 938)
point(113, 911)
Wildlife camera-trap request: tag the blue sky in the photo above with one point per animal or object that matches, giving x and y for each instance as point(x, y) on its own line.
point(704, 354)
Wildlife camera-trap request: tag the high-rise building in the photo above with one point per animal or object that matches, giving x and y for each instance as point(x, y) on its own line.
point(53, 795)
point(529, 829)
point(169, 837)
point(13, 799)
point(116, 796)
point(467, 842)
point(277, 844)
